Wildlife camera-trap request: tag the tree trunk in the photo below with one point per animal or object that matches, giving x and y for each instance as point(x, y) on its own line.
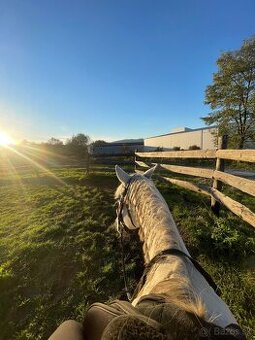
point(241, 142)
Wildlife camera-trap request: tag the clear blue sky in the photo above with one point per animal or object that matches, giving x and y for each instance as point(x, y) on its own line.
point(112, 69)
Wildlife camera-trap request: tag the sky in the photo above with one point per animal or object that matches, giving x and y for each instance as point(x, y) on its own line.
point(112, 69)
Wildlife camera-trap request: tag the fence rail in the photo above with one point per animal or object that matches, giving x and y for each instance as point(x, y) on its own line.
point(187, 170)
point(179, 154)
point(236, 155)
point(217, 175)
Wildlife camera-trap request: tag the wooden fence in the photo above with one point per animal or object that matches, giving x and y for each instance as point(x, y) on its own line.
point(217, 175)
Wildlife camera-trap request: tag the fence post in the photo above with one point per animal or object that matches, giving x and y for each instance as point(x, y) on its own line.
point(88, 163)
point(220, 165)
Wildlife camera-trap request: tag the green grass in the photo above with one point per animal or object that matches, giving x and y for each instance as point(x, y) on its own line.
point(59, 251)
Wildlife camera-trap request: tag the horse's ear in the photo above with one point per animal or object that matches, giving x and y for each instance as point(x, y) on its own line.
point(122, 176)
point(149, 172)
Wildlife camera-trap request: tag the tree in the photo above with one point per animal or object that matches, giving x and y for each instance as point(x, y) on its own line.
point(232, 95)
point(77, 146)
point(99, 142)
point(55, 141)
point(95, 144)
point(79, 140)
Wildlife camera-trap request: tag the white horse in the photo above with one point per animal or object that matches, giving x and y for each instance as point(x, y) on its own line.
point(171, 272)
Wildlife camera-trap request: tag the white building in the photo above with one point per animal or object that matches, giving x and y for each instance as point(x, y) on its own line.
point(183, 138)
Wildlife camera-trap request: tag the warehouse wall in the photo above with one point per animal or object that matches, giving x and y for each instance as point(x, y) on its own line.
point(201, 137)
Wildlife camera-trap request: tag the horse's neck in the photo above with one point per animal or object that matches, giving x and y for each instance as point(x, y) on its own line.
point(157, 230)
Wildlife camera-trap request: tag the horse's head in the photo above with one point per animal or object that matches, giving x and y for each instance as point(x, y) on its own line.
point(126, 216)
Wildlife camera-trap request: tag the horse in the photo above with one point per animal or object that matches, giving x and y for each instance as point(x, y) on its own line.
point(187, 293)
point(176, 299)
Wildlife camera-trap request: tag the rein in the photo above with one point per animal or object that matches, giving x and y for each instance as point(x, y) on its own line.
point(176, 252)
point(121, 226)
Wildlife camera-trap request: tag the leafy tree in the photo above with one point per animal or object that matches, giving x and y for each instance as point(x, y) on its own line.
point(79, 140)
point(95, 144)
point(78, 147)
point(99, 142)
point(232, 95)
point(55, 141)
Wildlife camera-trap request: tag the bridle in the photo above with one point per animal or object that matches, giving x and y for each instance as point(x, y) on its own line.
point(120, 203)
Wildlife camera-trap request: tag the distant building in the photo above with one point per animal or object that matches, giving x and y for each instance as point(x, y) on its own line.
point(121, 147)
point(183, 137)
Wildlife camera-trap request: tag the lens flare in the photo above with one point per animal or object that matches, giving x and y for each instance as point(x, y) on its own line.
point(35, 164)
point(5, 139)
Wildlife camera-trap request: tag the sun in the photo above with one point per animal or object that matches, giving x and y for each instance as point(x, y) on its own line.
point(5, 139)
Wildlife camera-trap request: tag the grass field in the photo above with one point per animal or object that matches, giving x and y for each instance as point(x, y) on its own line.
point(59, 251)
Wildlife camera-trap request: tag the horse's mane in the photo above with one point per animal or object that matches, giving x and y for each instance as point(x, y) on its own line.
point(155, 219)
